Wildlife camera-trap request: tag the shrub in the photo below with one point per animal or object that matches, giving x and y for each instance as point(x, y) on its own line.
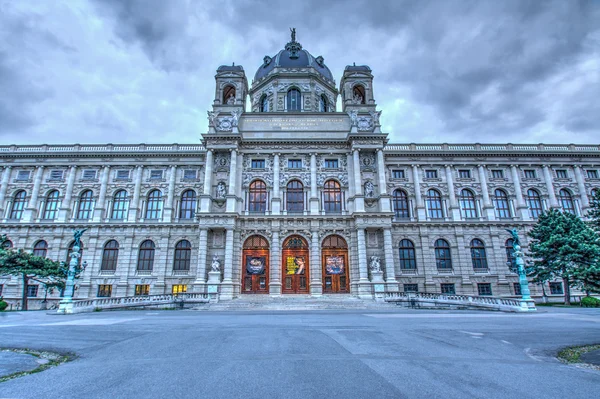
point(3, 305)
point(590, 302)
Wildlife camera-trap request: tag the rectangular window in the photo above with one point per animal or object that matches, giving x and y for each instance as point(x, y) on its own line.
point(122, 174)
point(156, 174)
point(104, 291)
point(32, 291)
point(431, 174)
point(88, 174)
point(529, 173)
point(484, 289)
point(294, 163)
point(448, 288)
point(497, 174)
point(23, 174)
point(331, 163)
point(464, 174)
point(411, 287)
point(257, 164)
point(517, 288)
point(556, 289)
point(56, 174)
point(190, 174)
point(592, 174)
point(561, 174)
point(179, 288)
point(142, 289)
point(398, 174)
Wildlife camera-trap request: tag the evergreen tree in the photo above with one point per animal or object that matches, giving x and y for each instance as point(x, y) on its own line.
point(30, 267)
point(594, 212)
point(564, 247)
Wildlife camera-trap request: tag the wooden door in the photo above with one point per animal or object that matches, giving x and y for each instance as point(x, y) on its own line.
point(335, 271)
point(255, 266)
point(295, 265)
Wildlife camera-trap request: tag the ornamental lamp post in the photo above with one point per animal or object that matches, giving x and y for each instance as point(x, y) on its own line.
point(518, 266)
point(66, 304)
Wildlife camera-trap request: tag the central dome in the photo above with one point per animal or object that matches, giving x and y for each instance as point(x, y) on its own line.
point(293, 56)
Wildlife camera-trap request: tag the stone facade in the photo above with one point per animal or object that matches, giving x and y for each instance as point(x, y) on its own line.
point(293, 167)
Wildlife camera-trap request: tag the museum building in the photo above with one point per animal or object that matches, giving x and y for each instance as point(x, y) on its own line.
point(294, 196)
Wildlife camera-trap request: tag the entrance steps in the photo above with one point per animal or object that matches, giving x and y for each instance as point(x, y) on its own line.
point(251, 302)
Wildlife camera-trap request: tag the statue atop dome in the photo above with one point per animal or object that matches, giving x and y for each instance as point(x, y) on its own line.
point(293, 30)
point(293, 47)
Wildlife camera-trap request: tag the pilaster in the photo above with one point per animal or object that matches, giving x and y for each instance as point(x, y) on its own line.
point(134, 209)
point(275, 267)
point(100, 208)
point(30, 211)
point(206, 190)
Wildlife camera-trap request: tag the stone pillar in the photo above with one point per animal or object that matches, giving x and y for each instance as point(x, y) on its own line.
point(231, 197)
point(550, 187)
point(585, 201)
point(488, 208)
point(314, 193)
point(359, 200)
point(454, 208)
point(316, 285)
point(100, 208)
point(227, 284)
point(202, 253)
point(275, 266)
point(364, 286)
point(384, 201)
point(31, 208)
point(521, 205)
point(421, 215)
point(206, 191)
point(65, 206)
point(276, 200)
point(4, 188)
point(134, 209)
point(390, 269)
point(170, 210)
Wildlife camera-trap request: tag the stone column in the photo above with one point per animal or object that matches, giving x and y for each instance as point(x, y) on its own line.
point(585, 201)
point(359, 200)
point(390, 269)
point(169, 214)
point(488, 208)
point(206, 190)
point(316, 285)
point(454, 208)
point(202, 253)
point(364, 286)
point(31, 208)
point(421, 215)
point(231, 198)
point(65, 206)
point(314, 193)
point(134, 209)
point(550, 187)
point(384, 201)
point(521, 205)
point(276, 200)
point(4, 188)
point(100, 208)
point(227, 284)
point(275, 267)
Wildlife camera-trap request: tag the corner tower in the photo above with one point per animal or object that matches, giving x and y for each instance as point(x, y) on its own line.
point(231, 90)
point(357, 94)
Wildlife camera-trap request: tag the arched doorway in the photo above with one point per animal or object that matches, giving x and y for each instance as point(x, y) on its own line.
point(295, 265)
point(334, 258)
point(255, 266)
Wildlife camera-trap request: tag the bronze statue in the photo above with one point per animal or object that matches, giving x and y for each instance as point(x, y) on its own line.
point(293, 30)
point(515, 236)
point(77, 235)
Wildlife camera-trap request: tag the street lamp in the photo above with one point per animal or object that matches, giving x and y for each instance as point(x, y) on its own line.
point(518, 265)
point(66, 304)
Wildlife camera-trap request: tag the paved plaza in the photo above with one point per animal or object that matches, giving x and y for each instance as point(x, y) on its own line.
point(317, 354)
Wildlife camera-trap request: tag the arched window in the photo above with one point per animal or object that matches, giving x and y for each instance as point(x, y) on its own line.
point(443, 257)
point(187, 209)
point(146, 256)
point(110, 256)
point(400, 203)
point(501, 204)
point(332, 196)
point(257, 196)
point(294, 196)
point(508, 247)
point(358, 94)
point(86, 205)
point(478, 256)
point(51, 206)
point(323, 104)
point(566, 201)
point(408, 260)
point(154, 205)
point(18, 205)
point(229, 95)
point(467, 204)
point(120, 205)
point(535, 203)
point(294, 100)
point(183, 255)
point(264, 103)
point(434, 204)
point(40, 249)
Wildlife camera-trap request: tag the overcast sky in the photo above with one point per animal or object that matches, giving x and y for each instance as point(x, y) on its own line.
point(99, 71)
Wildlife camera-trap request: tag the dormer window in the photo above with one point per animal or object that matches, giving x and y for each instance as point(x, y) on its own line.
point(264, 103)
point(323, 105)
point(294, 100)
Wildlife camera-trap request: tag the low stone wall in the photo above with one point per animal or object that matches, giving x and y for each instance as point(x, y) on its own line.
point(443, 301)
point(166, 300)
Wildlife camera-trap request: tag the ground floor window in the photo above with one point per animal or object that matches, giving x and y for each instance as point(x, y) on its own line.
point(32, 291)
point(484, 289)
point(411, 287)
point(448, 288)
point(179, 289)
point(104, 290)
point(517, 288)
point(142, 289)
point(556, 289)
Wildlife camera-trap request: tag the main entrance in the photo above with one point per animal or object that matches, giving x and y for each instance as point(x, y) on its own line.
point(295, 265)
point(334, 255)
point(255, 266)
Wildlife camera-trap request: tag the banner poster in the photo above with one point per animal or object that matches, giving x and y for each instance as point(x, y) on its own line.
point(295, 265)
point(334, 264)
point(255, 264)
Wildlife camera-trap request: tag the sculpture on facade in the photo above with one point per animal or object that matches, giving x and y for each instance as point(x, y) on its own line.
point(353, 116)
point(231, 99)
point(375, 265)
point(211, 118)
point(221, 190)
point(235, 115)
point(369, 190)
point(215, 266)
point(357, 99)
point(375, 115)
